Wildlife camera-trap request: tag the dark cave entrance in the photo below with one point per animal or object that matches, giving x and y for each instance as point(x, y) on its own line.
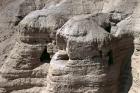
point(45, 56)
point(106, 26)
point(110, 60)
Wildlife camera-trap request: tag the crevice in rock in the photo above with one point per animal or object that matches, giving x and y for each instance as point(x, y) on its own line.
point(113, 19)
point(62, 55)
point(101, 53)
point(138, 49)
point(18, 19)
point(110, 60)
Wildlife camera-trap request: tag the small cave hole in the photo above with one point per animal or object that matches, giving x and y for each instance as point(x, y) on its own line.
point(18, 19)
point(45, 56)
point(107, 27)
point(110, 60)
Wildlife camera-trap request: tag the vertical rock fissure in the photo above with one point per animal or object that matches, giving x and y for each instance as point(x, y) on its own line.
point(110, 60)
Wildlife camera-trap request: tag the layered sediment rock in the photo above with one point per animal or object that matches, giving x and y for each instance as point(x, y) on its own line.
point(89, 59)
point(24, 69)
point(11, 13)
point(94, 53)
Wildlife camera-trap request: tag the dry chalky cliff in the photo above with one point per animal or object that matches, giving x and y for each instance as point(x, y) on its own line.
point(69, 46)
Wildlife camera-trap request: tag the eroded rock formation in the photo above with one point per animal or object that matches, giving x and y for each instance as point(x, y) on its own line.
point(11, 13)
point(92, 59)
point(94, 48)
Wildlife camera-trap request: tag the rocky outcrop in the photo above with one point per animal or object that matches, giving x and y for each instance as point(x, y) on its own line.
point(25, 69)
point(11, 13)
point(87, 60)
point(94, 54)
point(20, 72)
point(136, 56)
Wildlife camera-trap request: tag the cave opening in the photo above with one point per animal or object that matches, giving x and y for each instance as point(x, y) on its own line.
point(45, 56)
point(106, 26)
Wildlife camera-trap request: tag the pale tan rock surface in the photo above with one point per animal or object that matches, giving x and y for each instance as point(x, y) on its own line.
point(22, 71)
point(17, 72)
point(11, 13)
point(136, 56)
point(92, 59)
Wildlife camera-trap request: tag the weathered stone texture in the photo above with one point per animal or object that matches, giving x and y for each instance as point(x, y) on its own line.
point(90, 42)
point(92, 59)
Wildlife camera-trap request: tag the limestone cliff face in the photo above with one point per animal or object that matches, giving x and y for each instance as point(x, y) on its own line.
point(11, 13)
point(91, 43)
point(92, 58)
